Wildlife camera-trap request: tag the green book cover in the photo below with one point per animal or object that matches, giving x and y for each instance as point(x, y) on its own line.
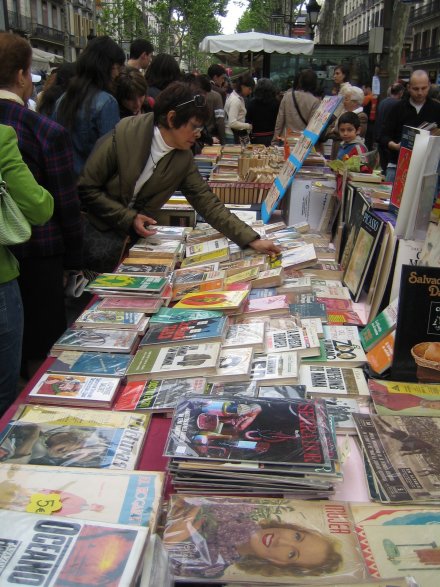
point(128, 282)
point(378, 328)
point(143, 361)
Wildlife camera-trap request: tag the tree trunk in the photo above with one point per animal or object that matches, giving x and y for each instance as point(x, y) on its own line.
point(330, 22)
point(398, 30)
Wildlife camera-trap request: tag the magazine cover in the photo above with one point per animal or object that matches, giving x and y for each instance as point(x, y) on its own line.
point(203, 330)
point(404, 455)
point(58, 552)
point(173, 315)
point(254, 540)
point(400, 541)
point(117, 497)
point(157, 395)
point(89, 363)
point(69, 437)
point(417, 344)
point(96, 339)
point(167, 362)
point(74, 390)
point(406, 399)
point(249, 429)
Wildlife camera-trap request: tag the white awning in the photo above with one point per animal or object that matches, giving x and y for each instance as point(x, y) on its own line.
point(256, 42)
point(43, 60)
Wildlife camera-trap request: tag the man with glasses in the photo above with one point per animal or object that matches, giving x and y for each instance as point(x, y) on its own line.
point(133, 171)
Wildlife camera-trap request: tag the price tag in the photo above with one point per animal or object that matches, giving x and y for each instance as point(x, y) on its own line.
point(44, 503)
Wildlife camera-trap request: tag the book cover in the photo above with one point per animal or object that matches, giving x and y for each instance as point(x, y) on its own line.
point(269, 278)
point(210, 246)
point(89, 363)
point(168, 362)
point(418, 326)
point(119, 282)
point(155, 247)
point(249, 429)
point(174, 315)
point(344, 318)
point(275, 368)
point(378, 328)
point(408, 253)
point(73, 437)
point(304, 341)
point(296, 285)
point(54, 551)
point(342, 346)
point(94, 339)
point(157, 395)
point(196, 275)
point(74, 390)
point(309, 310)
point(160, 269)
point(333, 381)
point(299, 257)
point(249, 274)
point(145, 305)
point(99, 318)
point(409, 399)
point(270, 305)
point(221, 300)
point(210, 538)
point(234, 365)
point(330, 292)
point(262, 292)
point(341, 410)
point(380, 357)
point(117, 497)
point(203, 258)
point(362, 254)
point(207, 330)
point(245, 335)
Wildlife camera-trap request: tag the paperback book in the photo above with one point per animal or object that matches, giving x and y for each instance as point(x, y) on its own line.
point(304, 341)
point(117, 282)
point(325, 380)
point(275, 368)
point(73, 437)
point(207, 330)
point(342, 346)
point(380, 357)
point(156, 247)
point(273, 305)
point(378, 328)
point(234, 365)
point(341, 410)
point(189, 360)
point(408, 399)
point(145, 305)
point(82, 552)
point(246, 335)
point(159, 269)
point(217, 532)
point(74, 390)
point(95, 339)
point(175, 315)
point(90, 363)
point(117, 497)
point(249, 429)
point(226, 301)
point(158, 395)
point(99, 318)
point(209, 246)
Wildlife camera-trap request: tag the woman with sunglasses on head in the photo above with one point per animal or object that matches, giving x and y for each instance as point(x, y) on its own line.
point(133, 172)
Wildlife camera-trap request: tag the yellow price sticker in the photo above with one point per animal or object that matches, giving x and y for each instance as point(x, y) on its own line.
point(44, 503)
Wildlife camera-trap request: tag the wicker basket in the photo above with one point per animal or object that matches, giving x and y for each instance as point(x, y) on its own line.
point(418, 352)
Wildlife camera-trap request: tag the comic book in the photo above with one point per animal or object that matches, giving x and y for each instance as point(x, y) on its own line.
point(240, 540)
point(59, 552)
point(89, 363)
point(74, 390)
point(73, 437)
point(117, 497)
point(248, 429)
point(157, 395)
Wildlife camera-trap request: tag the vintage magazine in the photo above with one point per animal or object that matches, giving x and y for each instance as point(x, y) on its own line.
point(59, 552)
point(157, 395)
point(404, 454)
point(117, 497)
point(250, 429)
point(89, 363)
point(73, 437)
point(74, 390)
point(406, 399)
point(333, 381)
point(252, 540)
point(400, 541)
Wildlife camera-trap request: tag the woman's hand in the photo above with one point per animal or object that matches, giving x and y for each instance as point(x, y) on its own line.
point(141, 225)
point(265, 246)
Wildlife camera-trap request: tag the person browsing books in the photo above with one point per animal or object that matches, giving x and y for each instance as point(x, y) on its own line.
point(135, 169)
point(351, 144)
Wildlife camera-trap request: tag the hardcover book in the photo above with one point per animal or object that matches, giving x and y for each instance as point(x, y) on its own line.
point(81, 552)
point(74, 390)
point(417, 345)
point(94, 339)
point(73, 437)
point(89, 363)
point(249, 429)
point(207, 539)
point(208, 330)
point(378, 328)
point(409, 399)
point(166, 363)
point(326, 380)
point(157, 395)
point(117, 497)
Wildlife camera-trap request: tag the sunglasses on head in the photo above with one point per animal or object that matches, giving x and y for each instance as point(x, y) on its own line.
point(199, 101)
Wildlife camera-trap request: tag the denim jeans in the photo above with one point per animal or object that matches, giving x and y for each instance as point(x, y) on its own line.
point(11, 336)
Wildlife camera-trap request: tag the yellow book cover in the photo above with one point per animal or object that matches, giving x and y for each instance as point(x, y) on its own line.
point(213, 256)
point(221, 300)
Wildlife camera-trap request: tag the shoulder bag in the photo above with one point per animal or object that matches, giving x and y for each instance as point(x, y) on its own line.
point(295, 103)
point(14, 228)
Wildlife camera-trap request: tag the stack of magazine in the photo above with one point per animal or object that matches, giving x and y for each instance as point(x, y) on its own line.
point(237, 444)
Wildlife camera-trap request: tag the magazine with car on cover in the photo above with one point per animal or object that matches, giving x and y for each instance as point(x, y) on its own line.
point(59, 552)
point(250, 540)
point(158, 395)
point(249, 429)
point(90, 363)
point(73, 437)
point(118, 497)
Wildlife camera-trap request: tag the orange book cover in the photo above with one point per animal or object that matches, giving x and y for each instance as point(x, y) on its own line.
point(380, 357)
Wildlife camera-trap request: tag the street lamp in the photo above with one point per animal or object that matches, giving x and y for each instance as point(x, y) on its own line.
point(313, 10)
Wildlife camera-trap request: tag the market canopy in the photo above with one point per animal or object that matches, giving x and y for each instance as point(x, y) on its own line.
point(42, 60)
point(255, 42)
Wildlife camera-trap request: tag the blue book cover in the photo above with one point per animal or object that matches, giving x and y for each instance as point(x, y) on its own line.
point(173, 315)
point(90, 363)
point(262, 292)
point(208, 329)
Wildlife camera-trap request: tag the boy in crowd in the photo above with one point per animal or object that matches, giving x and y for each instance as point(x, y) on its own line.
point(352, 144)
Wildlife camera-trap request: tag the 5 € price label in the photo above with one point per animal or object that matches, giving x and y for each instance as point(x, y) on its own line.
point(44, 503)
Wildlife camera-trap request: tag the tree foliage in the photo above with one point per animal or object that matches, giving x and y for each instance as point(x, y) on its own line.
point(259, 16)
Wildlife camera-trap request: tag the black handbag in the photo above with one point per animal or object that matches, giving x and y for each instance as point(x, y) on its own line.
point(103, 249)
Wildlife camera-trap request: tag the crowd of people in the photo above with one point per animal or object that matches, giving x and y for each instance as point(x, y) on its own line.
point(111, 140)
